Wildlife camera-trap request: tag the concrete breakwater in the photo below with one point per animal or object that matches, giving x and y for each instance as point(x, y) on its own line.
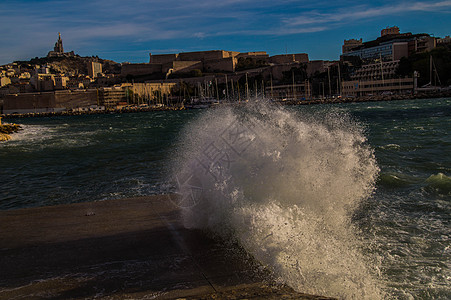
point(92, 112)
point(127, 248)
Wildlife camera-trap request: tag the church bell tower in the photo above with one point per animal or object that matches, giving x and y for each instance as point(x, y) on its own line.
point(59, 45)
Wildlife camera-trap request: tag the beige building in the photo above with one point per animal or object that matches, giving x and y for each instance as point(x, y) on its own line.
point(162, 58)
point(358, 88)
point(25, 76)
point(110, 97)
point(183, 66)
point(151, 90)
point(108, 80)
point(4, 81)
point(221, 65)
point(422, 44)
point(289, 58)
point(348, 45)
point(213, 61)
point(319, 66)
point(207, 61)
point(49, 101)
point(256, 54)
point(94, 69)
point(390, 31)
point(136, 93)
point(391, 45)
point(445, 40)
point(43, 82)
point(22, 87)
point(79, 82)
point(140, 69)
point(207, 55)
point(380, 70)
point(61, 82)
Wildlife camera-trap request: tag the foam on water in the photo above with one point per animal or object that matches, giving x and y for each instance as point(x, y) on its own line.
point(50, 136)
point(284, 185)
point(33, 133)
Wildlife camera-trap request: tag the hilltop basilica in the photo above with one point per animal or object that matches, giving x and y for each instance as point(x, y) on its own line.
point(58, 50)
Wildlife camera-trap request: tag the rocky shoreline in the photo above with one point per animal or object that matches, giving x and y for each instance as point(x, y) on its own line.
point(92, 112)
point(6, 130)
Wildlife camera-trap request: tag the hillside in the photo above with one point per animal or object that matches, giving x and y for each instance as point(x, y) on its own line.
point(74, 65)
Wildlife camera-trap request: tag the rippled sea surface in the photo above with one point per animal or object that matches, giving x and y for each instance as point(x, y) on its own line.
point(406, 221)
point(87, 158)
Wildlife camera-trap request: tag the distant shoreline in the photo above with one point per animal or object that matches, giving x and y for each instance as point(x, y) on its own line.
point(374, 98)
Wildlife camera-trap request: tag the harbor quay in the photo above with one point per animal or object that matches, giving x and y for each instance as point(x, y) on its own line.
point(134, 109)
point(126, 248)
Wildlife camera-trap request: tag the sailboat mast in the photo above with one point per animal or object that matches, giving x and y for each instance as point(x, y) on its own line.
point(339, 79)
point(217, 91)
point(227, 87)
point(436, 77)
point(233, 90)
point(430, 70)
point(272, 95)
point(247, 88)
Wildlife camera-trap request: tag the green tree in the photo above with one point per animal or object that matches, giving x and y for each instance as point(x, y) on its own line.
point(420, 62)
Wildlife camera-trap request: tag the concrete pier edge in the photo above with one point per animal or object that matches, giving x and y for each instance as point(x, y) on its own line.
point(134, 248)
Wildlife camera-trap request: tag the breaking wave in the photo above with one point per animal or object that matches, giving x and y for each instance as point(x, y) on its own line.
point(284, 184)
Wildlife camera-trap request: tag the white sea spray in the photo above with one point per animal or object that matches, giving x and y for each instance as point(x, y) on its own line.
point(284, 185)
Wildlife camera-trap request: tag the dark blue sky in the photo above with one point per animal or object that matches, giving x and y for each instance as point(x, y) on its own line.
point(129, 30)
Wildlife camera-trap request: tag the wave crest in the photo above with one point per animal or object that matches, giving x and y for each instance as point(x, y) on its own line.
point(284, 184)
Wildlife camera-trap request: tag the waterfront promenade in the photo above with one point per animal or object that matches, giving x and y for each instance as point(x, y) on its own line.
point(129, 248)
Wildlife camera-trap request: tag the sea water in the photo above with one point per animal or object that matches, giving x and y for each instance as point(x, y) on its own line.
point(351, 200)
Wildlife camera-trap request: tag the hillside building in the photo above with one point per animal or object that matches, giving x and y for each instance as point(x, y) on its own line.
point(390, 31)
point(380, 59)
point(43, 82)
point(94, 69)
point(445, 40)
point(351, 44)
point(60, 82)
point(390, 46)
point(4, 81)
